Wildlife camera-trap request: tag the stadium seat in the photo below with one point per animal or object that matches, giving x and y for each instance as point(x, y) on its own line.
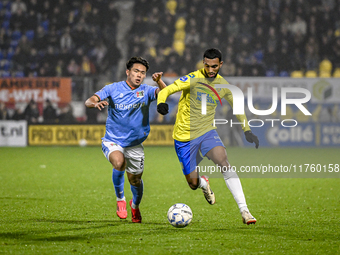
point(45, 24)
point(171, 6)
point(5, 64)
point(5, 24)
point(270, 73)
point(296, 74)
point(179, 35)
point(14, 43)
point(1, 55)
point(8, 15)
point(259, 55)
point(311, 74)
point(336, 73)
point(284, 74)
point(179, 47)
point(6, 74)
point(16, 35)
point(10, 54)
point(325, 65)
point(325, 74)
point(180, 23)
point(30, 35)
point(19, 74)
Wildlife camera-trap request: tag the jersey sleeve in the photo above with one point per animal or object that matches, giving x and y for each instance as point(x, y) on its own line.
point(152, 93)
point(180, 84)
point(105, 92)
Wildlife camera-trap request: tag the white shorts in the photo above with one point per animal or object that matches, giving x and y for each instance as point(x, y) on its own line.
point(134, 156)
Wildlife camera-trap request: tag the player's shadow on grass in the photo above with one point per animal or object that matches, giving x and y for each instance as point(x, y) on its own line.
point(60, 230)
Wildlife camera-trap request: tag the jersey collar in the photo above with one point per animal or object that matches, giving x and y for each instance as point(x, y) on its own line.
point(132, 88)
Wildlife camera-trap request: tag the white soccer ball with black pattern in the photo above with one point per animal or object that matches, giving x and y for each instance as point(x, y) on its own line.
point(179, 215)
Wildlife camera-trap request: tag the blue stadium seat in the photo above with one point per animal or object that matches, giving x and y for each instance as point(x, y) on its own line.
point(30, 34)
point(6, 74)
point(5, 65)
point(16, 35)
point(1, 55)
point(14, 43)
point(270, 73)
point(284, 74)
point(259, 55)
point(10, 54)
point(19, 74)
point(45, 24)
point(5, 24)
point(8, 15)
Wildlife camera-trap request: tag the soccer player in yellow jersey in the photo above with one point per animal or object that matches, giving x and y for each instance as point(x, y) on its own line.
point(194, 132)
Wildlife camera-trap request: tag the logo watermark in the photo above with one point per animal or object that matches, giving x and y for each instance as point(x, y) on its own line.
point(239, 98)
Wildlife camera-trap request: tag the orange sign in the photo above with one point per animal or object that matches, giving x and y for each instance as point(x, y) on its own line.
point(14, 90)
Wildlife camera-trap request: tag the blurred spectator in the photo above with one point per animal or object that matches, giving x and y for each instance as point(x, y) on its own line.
point(31, 113)
point(60, 69)
point(73, 68)
point(18, 114)
point(3, 112)
point(91, 26)
point(228, 68)
point(49, 112)
point(17, 6)
point(66, 115)
point(87, 67)
point(66, 41)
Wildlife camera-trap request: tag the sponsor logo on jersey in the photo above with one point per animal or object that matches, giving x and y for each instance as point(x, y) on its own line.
point(140, 94)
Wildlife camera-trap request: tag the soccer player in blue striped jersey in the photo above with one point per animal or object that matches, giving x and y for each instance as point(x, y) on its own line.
point(127, 126)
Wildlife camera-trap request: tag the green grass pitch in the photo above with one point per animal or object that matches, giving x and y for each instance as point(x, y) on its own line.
point(60, 200)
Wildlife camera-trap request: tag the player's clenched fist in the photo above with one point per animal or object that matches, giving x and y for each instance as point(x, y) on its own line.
point(156, 76)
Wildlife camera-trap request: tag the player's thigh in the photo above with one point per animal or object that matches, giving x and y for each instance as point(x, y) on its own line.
point(187, 153)
point(114, 153)
point(218, 155)
point(134, 157)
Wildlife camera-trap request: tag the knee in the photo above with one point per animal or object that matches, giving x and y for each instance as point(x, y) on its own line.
point(135, 182)
point(119, 164)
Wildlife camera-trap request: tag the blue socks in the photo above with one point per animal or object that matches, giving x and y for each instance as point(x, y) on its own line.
point(118, 183)
point(137, 194)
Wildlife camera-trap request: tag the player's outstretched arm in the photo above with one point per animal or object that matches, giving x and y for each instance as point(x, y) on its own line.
point(251, 138)
point(93, 102)
point(157, 77)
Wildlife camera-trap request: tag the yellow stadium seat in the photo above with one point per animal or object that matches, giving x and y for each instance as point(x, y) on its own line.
point(179, 35)
point(296, 74)
point(336, 73)
point(171, 5)
point(179, 46)
point(325, 74)
point(311, 74)
point(199, 64)
point(325, 66)
point(180, 24)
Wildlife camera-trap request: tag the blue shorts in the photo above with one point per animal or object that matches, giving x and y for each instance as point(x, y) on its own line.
point(189, 152)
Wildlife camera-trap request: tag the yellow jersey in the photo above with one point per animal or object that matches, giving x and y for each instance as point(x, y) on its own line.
point(190, 120)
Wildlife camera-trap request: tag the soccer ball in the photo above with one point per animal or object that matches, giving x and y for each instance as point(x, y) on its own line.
point(179, 215)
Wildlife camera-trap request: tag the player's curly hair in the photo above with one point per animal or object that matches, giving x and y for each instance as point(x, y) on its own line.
point(138, 60)
point(213, 53)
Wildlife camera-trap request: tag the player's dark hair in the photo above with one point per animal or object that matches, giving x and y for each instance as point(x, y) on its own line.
point(213, 53)
point(138, 60)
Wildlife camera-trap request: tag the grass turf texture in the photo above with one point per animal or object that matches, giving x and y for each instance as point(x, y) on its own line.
point(58, 200)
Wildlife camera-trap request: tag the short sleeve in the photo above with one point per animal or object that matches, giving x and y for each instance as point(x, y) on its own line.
point(105, 92)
